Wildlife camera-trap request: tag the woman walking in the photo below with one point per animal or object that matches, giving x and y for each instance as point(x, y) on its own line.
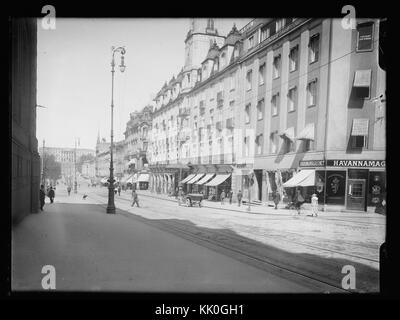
point(299, 200)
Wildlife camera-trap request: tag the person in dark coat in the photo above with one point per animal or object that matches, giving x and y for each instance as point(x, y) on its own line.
point(51, 194)
point(239, 197)
point(119, 190)
point(42, 196)
point(135, 198)
point(230, 195)
point(277, 199)
point(69, 190)
point(298, 200)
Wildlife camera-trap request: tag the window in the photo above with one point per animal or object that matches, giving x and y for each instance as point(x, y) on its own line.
point(280, 23)
point(264, 33)
point(260, 109)
point(275, 104)
point(247, 146)
point(277, 66)
point(358, 142)
point(248, 79)
point(188, 78)
point(314, 48)
point(251, 42)
point(247, 113)
point(231, 106)
point(292, 97)
point(293, 58)
point(312, 93)
point(273, 139)
point(261, 74)
point(259, 143)
point(289, 145)
point(308, 145)
point(365, 36)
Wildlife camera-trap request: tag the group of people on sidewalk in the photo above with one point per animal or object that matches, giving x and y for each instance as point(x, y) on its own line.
point(42, 195)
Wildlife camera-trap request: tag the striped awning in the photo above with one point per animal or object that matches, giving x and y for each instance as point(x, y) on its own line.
point(189, 177)
point(360, 127)
point(304, 178)
point(144, 177)
point(196, 178)
point(218, 179)
point(205, 179)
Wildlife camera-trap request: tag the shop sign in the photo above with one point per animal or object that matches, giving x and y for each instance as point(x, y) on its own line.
point(356, 163)
point(312, 163)
point(344, 163)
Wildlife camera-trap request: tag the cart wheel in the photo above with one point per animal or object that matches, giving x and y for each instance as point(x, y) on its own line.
point(188, 203)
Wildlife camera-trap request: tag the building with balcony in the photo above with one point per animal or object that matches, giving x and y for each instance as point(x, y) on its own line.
point(276, 97)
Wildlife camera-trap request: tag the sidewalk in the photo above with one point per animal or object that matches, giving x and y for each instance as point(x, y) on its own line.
point(92, 251)
point(263, 209)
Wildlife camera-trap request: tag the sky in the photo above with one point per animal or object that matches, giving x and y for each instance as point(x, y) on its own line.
point(74, 73)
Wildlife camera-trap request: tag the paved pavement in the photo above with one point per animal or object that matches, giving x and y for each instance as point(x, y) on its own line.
point(92, 250)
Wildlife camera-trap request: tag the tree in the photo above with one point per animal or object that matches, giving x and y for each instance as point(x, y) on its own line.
point(51, 168)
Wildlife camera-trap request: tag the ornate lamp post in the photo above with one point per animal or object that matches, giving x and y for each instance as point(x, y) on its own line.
point(111, 204)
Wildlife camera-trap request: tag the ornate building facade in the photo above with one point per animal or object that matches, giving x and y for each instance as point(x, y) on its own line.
point(250, 109)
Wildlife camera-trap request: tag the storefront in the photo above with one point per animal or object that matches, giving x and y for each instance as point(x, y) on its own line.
point(164, 179)
point(351, 184)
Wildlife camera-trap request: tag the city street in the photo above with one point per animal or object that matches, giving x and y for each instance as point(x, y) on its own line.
point(163, 247)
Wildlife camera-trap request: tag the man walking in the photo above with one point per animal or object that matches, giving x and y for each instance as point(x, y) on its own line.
point(222, 196)
point(239, 197)
point(42, 196)
point(69, 190)
point(230, 195)
point(134, 198)
point(277, 199)
point(51, 194)
point(119, 190)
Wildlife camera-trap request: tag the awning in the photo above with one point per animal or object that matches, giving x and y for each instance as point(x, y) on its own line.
point(144, 177)
point(205, 178)
point(132, 179)
point(189, 177)
point(196, 178)
point(304, 178)
point(362, 78)
point(307, 133)
point(218, 179)
point(360, 127)
point(125, 178)
point(288, 133)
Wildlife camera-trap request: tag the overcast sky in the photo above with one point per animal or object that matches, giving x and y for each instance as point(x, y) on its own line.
point(74, 73)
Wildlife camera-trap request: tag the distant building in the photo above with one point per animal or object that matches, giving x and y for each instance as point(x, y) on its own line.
point(25, 160)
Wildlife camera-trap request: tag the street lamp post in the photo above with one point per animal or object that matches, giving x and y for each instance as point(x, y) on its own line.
point(111, 204)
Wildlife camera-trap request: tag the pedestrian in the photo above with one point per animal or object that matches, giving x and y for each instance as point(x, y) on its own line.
point(314, 205)
point(299, 200)
point(277, 198)
point(119, 190)
point(42, 196)
point(134, 198)
point(115, 191)
point(239, 197)
point(180, 196)
point(51, 194)
point(69, 190)
point(222, 196)
point(230, 195)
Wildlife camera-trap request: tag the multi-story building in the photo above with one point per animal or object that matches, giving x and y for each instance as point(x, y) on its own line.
point(102, 163)
point(89, 169)
point(136, 138)
point(66, 156)
point(25, 161)
point(277, 96)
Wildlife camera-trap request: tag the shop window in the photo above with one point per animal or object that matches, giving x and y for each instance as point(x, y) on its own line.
point(335, 187)
point(365, 36)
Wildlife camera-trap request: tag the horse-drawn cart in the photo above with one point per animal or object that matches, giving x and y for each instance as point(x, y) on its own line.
point(192, 199)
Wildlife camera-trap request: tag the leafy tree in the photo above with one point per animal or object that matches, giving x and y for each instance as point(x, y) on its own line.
point(51, 168)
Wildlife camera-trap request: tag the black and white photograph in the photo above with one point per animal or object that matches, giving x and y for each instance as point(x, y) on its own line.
point(197, 155)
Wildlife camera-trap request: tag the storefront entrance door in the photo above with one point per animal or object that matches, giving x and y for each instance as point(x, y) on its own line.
point(356, 194)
